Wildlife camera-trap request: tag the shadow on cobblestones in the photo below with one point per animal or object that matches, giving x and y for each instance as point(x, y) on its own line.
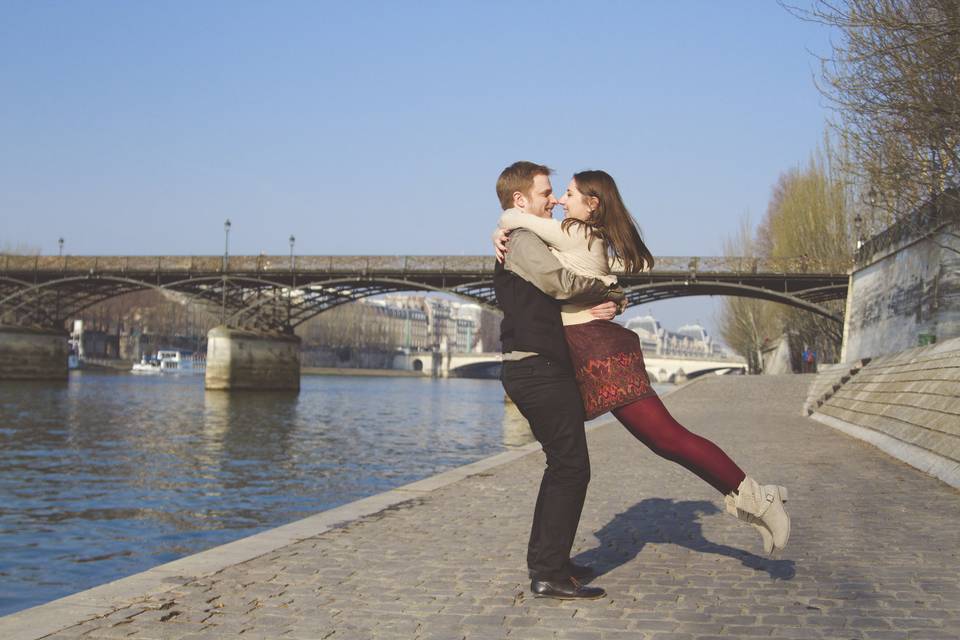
point(664, 521)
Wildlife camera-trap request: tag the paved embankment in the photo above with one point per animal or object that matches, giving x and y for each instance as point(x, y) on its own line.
point(874, 550)
point(906, 403)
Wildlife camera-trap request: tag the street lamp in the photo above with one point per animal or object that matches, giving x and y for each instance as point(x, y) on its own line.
point(226, 258)
point(871, 199)
point(60, 242)
point(226, 242)
point(293, 284)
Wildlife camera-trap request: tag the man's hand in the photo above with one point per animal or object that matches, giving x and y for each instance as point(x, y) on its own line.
point(605, 310)
point(500, 243)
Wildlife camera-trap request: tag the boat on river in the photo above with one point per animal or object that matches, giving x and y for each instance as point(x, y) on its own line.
point(169, 361)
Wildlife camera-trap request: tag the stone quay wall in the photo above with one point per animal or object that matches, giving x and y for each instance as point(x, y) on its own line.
point(896, 386)
point(905, 289)
point(28, 353)
point(907, 404)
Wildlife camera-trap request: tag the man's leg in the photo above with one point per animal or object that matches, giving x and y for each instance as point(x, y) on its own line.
point(547, 396)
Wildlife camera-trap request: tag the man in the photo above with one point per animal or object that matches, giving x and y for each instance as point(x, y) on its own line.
point(538, 377)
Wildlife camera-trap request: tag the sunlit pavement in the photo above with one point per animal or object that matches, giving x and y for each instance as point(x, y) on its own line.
point(873, 552)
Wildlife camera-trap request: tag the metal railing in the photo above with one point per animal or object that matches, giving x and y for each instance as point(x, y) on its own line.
point(396, 265)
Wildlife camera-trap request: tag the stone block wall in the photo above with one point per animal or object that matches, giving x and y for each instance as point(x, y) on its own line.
point(907, 404)
point(29, 353)
point(245, 359)
point(906, 287)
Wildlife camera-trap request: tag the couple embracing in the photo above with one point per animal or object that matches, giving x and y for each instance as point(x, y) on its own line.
point(565, 361)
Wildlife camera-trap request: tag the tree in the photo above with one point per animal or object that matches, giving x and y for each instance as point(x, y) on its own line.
point(894, 81)
point(747, 325)
point(808, 217)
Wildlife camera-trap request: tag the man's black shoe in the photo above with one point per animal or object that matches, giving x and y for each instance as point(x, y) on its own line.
point(579, 571)
point(569, 589)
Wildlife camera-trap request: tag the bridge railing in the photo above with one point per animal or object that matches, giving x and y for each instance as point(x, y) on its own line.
point(748, 265)
point(482, 265)
point(246, 264)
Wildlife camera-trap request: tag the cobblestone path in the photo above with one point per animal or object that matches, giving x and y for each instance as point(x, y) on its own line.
point(873, 553)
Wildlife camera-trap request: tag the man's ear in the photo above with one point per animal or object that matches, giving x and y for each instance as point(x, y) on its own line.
point(519, 200)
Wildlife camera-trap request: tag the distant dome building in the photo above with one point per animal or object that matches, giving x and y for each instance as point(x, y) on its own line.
point(689, 341)
point(697, 339)
point(649, 331)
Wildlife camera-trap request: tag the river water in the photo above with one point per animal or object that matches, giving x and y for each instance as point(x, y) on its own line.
point(110, 474)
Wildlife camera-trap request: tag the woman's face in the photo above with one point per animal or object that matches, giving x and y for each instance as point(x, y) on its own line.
point(574, 205)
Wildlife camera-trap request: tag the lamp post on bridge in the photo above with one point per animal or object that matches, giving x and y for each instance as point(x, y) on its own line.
point(226, 259)
point(871, 200)
point(293, 282)
point(62, 266)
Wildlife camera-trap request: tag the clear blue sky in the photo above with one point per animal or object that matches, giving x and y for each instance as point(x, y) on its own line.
point(380, 127)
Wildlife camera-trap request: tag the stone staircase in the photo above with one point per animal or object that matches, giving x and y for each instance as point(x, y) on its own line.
point(830, 378)
point(907, 404)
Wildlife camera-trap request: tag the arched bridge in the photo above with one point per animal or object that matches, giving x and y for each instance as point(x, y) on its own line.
point(281, 292)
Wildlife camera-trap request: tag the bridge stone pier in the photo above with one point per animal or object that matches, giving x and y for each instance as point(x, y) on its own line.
point(30, 353)
point(247, 359)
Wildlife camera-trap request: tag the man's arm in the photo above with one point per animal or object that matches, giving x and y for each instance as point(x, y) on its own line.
point(530, 259)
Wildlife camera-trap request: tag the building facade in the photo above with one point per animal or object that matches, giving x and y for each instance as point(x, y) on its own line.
point(689, 341)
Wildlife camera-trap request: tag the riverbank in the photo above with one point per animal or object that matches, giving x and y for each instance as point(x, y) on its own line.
point(338, 371)
point(115, 473)
point(444, 557)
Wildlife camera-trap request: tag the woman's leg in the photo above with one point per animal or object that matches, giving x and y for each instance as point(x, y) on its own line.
point(761, 506)
point(650, 422)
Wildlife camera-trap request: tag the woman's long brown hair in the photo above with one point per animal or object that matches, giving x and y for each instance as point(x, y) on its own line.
point(611, 222)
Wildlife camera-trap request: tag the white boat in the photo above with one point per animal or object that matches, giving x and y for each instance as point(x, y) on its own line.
point(169, 361)
point(173, 360)
point(146, 365)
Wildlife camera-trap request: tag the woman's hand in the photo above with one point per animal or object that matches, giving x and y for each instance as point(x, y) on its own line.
point(605, 310)
point(500, 243)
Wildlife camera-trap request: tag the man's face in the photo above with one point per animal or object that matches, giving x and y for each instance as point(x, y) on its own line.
point(540, 201)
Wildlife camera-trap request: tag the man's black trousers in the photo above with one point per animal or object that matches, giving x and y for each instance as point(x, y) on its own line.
point(546, 394)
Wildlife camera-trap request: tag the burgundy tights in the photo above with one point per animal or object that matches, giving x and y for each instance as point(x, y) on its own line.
point(650, 423)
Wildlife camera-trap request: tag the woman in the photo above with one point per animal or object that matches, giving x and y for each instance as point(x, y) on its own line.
point(607, 358)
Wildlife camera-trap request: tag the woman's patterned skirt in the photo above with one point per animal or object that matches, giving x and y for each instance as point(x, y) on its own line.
point(608, 364)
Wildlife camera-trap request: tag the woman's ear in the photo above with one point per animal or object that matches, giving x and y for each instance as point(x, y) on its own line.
point(594, 203)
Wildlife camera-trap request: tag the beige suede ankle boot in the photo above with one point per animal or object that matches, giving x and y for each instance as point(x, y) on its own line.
point(761, 506)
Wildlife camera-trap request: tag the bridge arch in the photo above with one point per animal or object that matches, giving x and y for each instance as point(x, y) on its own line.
point(696, 374)
point(67, 299)
point(647, 293)
point(247, 298)
point(322, 296)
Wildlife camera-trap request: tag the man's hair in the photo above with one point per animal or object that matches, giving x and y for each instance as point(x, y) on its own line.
point(518, 177)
